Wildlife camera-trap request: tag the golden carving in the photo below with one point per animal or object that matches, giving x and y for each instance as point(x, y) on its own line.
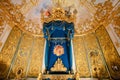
point(80, 57)
point(105, 14)
point(110, 53)
point(19, 73)
point(58, 66)
point(1, 30)
point(116, 17)
point(57, 14)
point(22, 55)
point(58, 77)
point(8, 50)
point(36, 57)
point(1, 43)
point(39, 76)
point(97, 66)
point(77, 76)
point(1, 22)
point(117, 31)
point(117, 44)
point(89, 54)
point(12, 15)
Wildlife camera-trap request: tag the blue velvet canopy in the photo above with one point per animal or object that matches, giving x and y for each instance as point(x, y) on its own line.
point(58, 33)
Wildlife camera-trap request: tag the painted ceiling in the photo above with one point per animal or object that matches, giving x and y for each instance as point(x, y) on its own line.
point(89, 13)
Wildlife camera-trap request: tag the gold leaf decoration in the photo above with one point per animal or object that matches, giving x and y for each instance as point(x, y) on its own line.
point(58, 66)
point(9, 49)
point(111, 56)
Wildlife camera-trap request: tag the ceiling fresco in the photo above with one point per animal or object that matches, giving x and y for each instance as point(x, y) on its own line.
point(89, 13)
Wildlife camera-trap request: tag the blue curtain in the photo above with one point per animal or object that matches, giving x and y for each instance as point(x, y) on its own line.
point(46, 53)
point(58, 33)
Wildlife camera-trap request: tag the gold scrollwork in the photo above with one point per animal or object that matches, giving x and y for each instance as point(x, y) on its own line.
point(80, 57)
point(58, 77)
point(8, 50)
point(58, 14)
point(19, 73)
point(110, 53)
point(58, 66)
point(37, 56)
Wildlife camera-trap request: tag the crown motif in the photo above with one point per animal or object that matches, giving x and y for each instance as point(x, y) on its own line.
point(57, 14)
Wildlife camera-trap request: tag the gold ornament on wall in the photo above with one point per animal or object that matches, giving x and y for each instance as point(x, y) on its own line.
point(58, 66)
point(109, 52)
point(19, 73)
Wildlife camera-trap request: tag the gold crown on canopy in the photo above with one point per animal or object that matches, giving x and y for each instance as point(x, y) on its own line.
point(57, 14)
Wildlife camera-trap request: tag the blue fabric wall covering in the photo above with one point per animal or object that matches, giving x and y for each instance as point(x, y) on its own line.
point(58, 33)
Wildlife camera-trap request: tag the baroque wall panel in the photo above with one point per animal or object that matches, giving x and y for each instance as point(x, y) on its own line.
point(110, 54)
point(8, 51)
point(36, 58)
point(80, 57)
point(96, 64)
point(21, 60)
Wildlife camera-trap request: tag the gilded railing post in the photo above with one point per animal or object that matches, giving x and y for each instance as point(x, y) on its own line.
point(39, 76)
point(77, 76)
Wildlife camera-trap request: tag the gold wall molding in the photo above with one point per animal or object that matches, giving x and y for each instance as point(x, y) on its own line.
point(9, 49)
point(36, 57)
point(109, 52)
point(80, 57)
point(89, 54)
point(21, 59)
point(98, 68)
point(1, 30)
point(22, 55)
point(1, 43)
